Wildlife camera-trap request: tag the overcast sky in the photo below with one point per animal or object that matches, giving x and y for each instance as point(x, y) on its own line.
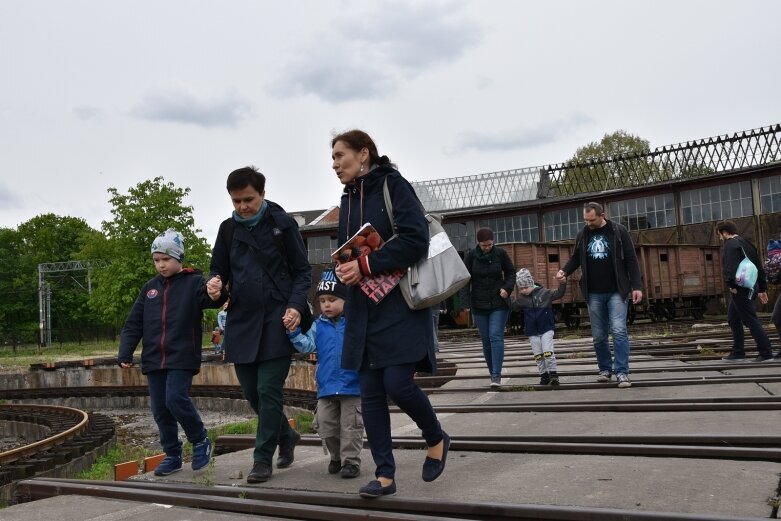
point(99, 94)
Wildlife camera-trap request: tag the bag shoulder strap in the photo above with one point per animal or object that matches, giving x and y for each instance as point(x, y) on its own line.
point(388, 203)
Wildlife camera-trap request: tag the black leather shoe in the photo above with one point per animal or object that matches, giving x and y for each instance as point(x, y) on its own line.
point(286, 452)
point(374, 489)
point(432, 468)
point(334, 467)
point(350, 471)
point(260, 473)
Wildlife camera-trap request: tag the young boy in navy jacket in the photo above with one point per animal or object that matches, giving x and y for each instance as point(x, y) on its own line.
point(539, 322)
point(166, 316)
point(338, 417)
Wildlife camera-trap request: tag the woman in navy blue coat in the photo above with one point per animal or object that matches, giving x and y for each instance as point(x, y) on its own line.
point(385, 342)
point(260, 256)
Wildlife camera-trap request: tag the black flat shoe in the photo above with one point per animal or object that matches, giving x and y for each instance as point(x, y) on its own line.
point(374, 489)
point(334, 466)
point(260, 473)
point(287, 452)
point(432, 468)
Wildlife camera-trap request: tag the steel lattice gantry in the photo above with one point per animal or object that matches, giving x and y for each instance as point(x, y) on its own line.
point(45, 291)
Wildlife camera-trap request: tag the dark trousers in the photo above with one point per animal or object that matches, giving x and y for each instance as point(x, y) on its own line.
point(776, 316)
point(169, 396)
point(741, 312)
point(397, 383)
point(262, 383)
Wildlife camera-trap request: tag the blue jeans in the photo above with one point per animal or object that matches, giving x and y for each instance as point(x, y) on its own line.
point(396, 382)
point(607, 313)
point(491, 329)
point(169, 396)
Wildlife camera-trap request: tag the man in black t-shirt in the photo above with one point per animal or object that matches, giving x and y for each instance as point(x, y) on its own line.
point(606, 257)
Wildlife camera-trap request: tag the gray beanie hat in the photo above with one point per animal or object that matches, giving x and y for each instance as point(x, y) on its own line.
point(171, 243)
point(524, 278)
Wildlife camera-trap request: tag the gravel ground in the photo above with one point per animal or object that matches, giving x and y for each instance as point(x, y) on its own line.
point(137, 428)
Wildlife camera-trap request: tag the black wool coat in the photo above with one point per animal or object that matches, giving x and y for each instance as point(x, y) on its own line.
point(388, 333)
point(264, 280)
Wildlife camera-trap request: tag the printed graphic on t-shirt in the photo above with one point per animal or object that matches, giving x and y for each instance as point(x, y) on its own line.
point(598, 247)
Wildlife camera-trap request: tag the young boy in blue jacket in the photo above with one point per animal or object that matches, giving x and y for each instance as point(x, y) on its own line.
point(167, 317)
point(539, 322)
point(338, 416)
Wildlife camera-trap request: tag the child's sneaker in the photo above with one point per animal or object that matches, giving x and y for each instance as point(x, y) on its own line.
point(554, 378)
point(202, 454)
point(169, 465)
point(334, 466)
point(544, 378)
point(350, 471)
point(604, 376)
point(623, 381)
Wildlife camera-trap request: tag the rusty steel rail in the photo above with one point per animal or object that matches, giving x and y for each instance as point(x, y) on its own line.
point(336, 506)
point(79, 421)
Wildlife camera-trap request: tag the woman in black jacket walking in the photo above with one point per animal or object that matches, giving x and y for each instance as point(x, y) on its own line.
point(386, 341)
point(493, 278)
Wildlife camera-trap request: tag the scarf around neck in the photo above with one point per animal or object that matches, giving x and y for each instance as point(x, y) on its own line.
point(251, 222)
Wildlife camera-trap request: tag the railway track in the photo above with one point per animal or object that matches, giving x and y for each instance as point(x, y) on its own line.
point(307, 506)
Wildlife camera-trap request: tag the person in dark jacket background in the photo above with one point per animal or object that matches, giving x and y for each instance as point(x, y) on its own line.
point(610, 272)
point(539, 322)
point(741, 305)
point(167, 317)
point(260, 255)
point(385, 341)
point(488, 292)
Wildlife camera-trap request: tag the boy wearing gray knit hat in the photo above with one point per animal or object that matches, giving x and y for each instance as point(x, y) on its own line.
point(166, 318)
point(536, 303)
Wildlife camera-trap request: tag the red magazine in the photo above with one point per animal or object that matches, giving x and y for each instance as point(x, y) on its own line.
point(365, 241)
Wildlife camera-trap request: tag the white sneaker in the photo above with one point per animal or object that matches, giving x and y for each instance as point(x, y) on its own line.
point(604, 376)
point(623, 381)
point(496, 381)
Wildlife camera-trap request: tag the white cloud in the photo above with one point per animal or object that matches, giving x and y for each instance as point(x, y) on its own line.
point(521, 137)
point(180, 106)
point(87, 113)
point(369, 54)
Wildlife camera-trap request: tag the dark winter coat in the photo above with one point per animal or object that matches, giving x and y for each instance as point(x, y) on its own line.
point(625, 265)
point(388, 333)
point(538, 317)
point(490, 274)
point(167, 317)
point(731, 257)
point(263, 284)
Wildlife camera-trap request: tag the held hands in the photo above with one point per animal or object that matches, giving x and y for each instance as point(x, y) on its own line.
point(560, 276)
point(291, 319)
point(214, 287)
point(503, 293)
point(126, 365)
point(349, 273)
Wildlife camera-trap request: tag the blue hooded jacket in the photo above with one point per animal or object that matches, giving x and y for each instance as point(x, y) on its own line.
point(327, 337)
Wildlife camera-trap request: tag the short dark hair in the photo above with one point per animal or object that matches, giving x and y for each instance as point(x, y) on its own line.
point(244, 177)
point(357, 140)
point(727, 226)
point(594, 206)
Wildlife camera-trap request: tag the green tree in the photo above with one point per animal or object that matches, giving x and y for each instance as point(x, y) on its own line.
point(619, 159)
point(148, 209)
point(51, 238)
point(18, 305)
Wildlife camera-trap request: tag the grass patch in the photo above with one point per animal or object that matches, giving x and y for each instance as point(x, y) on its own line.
point(103, 468)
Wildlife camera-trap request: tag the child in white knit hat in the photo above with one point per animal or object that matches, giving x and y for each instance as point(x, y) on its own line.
point(536, 302)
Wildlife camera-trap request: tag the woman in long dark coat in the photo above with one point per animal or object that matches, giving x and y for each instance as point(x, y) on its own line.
point(385, 342)
point(260, 255)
